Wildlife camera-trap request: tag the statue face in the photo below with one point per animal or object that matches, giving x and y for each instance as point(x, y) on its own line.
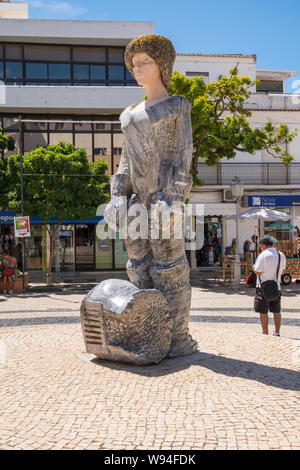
point(145, 69)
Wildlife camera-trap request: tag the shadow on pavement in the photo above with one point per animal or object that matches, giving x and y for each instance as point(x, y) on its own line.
point(268, 375)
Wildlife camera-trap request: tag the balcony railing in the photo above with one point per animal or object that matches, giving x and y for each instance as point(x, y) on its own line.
point(281, 101)
point(250, 173)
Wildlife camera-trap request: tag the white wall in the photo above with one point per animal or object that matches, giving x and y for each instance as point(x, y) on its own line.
point(69, 98)
point(75, 32)
point(214, 65)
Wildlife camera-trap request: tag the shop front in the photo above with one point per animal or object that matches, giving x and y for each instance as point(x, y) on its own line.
point(76, 245)
point(287, 203)
point(214, 235)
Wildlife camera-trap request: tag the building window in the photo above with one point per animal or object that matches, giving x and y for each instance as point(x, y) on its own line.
point(115, 56)
point(13, 51)
point(59, 71)
point(36, 71)
point(14, 71)
point(101, 140)
point(63, 65)
point(116, 72)
point(47, 53)
point(81, 72)
point(270, 86)
point(98, 72)
point(88, 54)
point(205, 75)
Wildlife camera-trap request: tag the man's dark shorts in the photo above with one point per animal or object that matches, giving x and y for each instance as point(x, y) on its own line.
point(263, 306)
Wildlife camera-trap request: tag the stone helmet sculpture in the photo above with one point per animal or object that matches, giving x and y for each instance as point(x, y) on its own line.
point(159, 48)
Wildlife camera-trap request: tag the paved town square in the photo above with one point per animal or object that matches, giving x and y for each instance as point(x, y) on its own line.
point(240, 391)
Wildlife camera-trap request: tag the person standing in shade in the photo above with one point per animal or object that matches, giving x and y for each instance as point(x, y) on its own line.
point(10, 268)
point(268, 263)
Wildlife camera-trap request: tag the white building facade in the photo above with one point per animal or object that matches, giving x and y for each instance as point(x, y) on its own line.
point(275, 185)
point(68, 80)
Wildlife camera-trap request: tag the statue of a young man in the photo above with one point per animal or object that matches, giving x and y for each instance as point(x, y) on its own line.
point(154, 171)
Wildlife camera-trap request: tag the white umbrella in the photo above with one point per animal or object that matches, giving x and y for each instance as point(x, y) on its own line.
point(261, 213)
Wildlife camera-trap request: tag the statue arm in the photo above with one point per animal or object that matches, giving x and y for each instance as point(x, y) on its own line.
point(121, 188)
point(180, 182)
point(178, 179)
point(121, 181)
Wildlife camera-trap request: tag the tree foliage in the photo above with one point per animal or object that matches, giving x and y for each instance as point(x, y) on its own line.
point(58, 181)
point(6, 143)
point(220, 124)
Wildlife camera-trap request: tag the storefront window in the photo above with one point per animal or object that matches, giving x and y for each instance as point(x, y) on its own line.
point(84, 236)
point(63, 257)
point(121, 256)
point(35, 248)
point(104, 254)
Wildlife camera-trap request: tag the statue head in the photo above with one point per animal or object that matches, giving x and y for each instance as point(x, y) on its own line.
point(158, 48)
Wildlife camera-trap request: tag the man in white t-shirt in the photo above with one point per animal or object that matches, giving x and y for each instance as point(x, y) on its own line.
point(265, 269)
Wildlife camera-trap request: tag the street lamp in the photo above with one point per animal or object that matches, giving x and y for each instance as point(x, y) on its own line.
point(237, 189)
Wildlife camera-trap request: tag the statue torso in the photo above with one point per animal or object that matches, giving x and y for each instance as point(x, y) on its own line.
point(151, 141)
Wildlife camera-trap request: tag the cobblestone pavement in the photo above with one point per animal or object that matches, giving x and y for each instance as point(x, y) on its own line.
point(240, 391)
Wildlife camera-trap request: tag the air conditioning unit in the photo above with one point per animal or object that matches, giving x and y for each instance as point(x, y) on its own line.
point(227, 195)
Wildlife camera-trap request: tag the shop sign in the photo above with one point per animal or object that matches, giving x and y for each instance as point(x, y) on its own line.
point(274, 201)
point(22, 227)
point(7, 217)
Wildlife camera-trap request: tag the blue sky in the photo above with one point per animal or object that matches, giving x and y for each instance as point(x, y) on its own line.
point(268, 28)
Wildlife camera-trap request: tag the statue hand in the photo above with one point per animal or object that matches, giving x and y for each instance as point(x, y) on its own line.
point(162, 205)
point(115, 209)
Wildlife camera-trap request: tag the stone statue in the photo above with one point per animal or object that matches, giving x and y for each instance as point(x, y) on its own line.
point(154, 171)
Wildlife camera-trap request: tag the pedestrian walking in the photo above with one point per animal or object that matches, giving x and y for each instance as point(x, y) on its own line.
point(269, 267)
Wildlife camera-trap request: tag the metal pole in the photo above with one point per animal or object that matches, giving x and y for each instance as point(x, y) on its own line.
point(21, 151)
point(237, 264)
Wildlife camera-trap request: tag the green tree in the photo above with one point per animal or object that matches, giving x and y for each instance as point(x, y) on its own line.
point(6, 143)
point(220, 124)
point(58, 181)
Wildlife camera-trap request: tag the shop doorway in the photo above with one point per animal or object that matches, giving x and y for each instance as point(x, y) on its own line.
point(210, 253)
point(84, 247)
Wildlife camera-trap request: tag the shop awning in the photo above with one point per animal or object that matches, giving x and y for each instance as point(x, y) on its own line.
point(7, 218)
